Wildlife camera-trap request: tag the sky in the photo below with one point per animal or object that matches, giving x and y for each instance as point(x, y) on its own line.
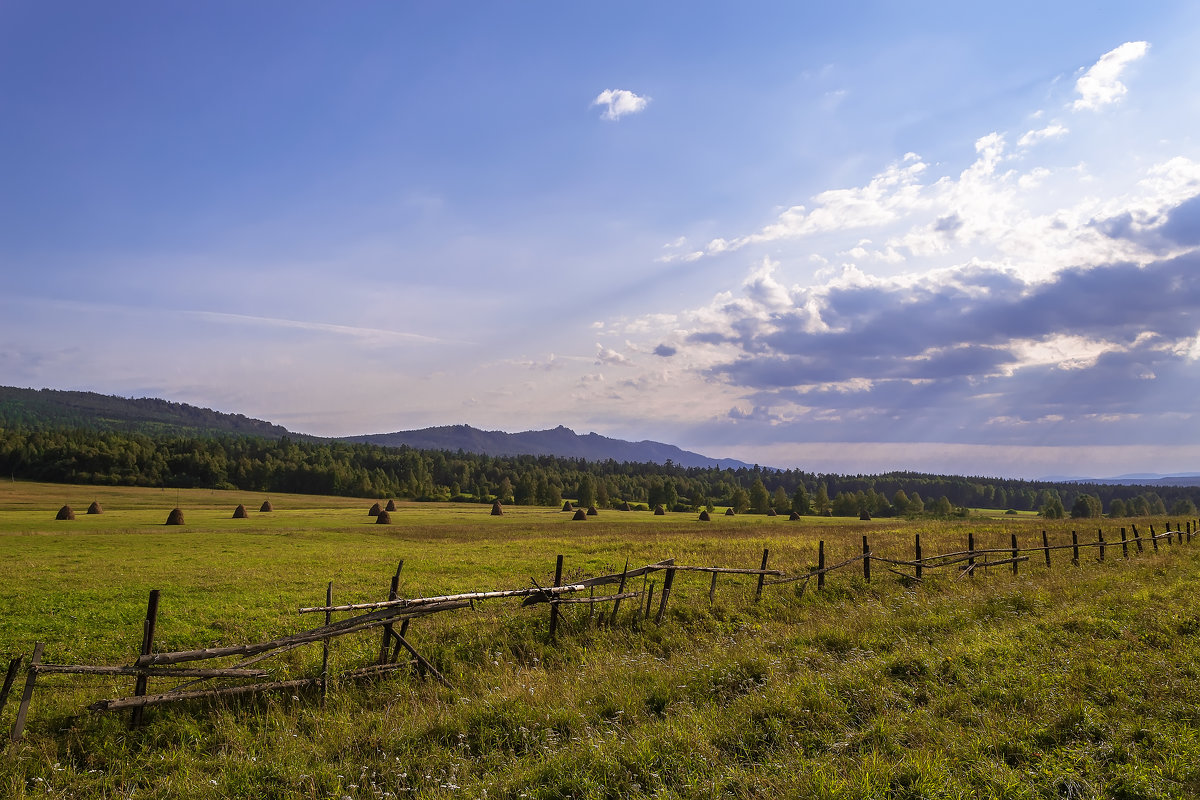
point(846, 237)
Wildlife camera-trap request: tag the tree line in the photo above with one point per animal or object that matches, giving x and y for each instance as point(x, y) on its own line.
point(284, 464)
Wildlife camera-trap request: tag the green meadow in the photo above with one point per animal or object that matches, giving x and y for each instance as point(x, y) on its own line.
point(1068, 681)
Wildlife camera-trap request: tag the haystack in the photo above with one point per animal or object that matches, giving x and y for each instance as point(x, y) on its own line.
point(659, 511)
point(65, 513)
point(175, 517)
point(567, 506)
point(95, 508)
point(266, 506)
point(794, 516)
point(579, 514)
point(772, 512)
point(592, 511)
point(624, 506)
point(497, 509)
point(704, 517)
point(391, 506)
point(375, 510)
point(729, 512)
point(865, 516)
point(240, 512)
point(383, 518)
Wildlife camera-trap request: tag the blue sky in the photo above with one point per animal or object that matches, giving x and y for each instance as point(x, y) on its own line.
point(847, 237)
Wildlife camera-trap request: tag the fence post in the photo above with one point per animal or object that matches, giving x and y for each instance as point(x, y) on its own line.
point(821, 565)
point(620, 590)
point(14, 667)
point(761, 575)
point(148, 626)
point(1137, 538)
point(971, 554)
point(917, 560)
point(1100, 535)
point(1046, 548)
point(712, 588)
point(666, 595)
point(649, 600)
point(393, 593)
point(1179, 532)
point(1124, 544)
point(866, 560)
point(1075, 548)
point(30, 677)
point(553, 605)
point(1189, 532)
point(1015, 553)
point(1153, 539)
point(325, 643)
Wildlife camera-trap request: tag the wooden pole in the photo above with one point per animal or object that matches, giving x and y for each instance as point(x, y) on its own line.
point(712, 589)
point(971, 552)
point(147, 645)
point(14, 667)
point(1179, 533)
point(1075, 548)
point(761, 576)
point(1046, 548)
point(1153, 539)
point(325, 644)
point(393, 593)
point(1014, 553)
point(821, 565)
point(649, 600)
point(558, 564)
point(1100, 536)
point(917, 558)
point(1124, 544)
point(666, 595)
point(1137, 538)
point(866, 560)
point(30, 677)
point(620, 590)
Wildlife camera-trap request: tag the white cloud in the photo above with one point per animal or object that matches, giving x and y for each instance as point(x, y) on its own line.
point(606, 355)
point(619, 102)
point(1101, 84)
point(1052, 131)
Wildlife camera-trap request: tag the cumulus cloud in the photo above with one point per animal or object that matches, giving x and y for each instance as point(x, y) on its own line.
point(1031, 138)
point(610, 357)
point(618, 103)
point(1101, 84)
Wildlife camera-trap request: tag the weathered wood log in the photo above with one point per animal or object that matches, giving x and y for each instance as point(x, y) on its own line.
point(153, 672)
point(14, 666)
point(817, 573)
point(762, 574)
point(30, 678)
point(147, 645)
point(120, 703)
point(604, 598)
point(666, 595)
point(415, 602)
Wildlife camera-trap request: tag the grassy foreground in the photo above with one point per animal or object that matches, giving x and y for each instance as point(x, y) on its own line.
point(1067, 682)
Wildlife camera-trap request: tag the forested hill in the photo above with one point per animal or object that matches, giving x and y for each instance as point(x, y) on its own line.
point(561, 442)
point(46, 409)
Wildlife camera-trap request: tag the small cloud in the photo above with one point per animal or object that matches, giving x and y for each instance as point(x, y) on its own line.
point(1101, 84)
point(606, 355)
point(1049, 132)
point(619, 102)
point(665, 350)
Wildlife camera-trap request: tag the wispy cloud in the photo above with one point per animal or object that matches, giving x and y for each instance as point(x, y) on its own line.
point(618, 103)
point(1101, 84)
point(368, 334)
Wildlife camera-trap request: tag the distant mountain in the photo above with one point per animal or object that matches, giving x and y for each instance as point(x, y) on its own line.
point(52, 408)
point(1136, 479)
point(560, 441)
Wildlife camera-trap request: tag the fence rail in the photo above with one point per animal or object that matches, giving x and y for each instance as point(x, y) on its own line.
point(385, 615)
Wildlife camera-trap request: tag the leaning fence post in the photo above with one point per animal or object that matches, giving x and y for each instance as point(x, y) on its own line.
point(917, 556)
point(821, 565)
point(30, 677)
point(554, 606)
point(712, 588)
point(1014, 553)
point(666, 595)
point(649, 600)
point(1137, 538)
point(620, 591)
point(1046, 548)
point(1100, 535)
point(761, 575)
point(325, 642)
point(14, 667)
point(147, 645)
point(866, 560)
point(1124, 544)
point(1153, 539)
point(393, 593)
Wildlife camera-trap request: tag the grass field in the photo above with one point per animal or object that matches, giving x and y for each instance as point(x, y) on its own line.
point(1062, 682)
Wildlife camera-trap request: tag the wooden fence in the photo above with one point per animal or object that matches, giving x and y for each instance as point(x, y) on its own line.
point(392, 617)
